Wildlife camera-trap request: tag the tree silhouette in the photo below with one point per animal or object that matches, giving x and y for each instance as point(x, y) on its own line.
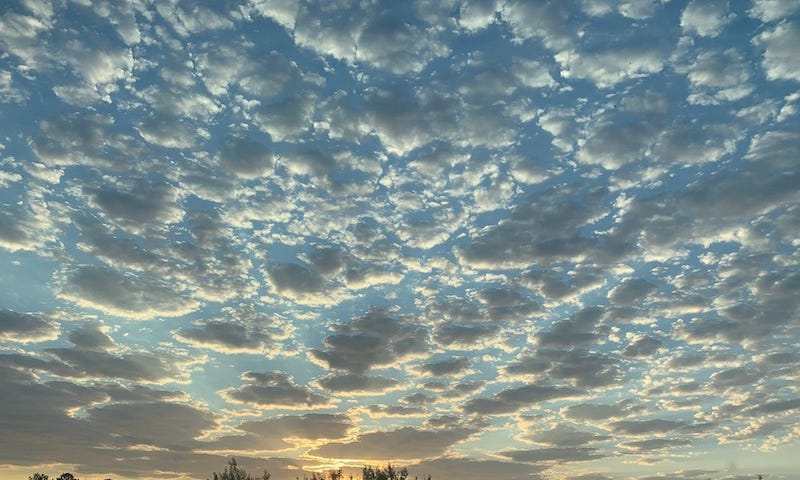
point(39, 476)
point(234, 472)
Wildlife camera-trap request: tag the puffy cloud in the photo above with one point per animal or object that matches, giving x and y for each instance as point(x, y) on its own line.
point(405, 443)
point(772, 10)
point(123, 295)
point(543, 228)
point(26, 328)
point(472, 469)
point(513, 399)
point(379, 338)
point(563, 435)
point(245, 157)
point(642, 347)
point(608, 68)
point(554, 454)
point(779, 43)
point(139, 205)
point(90, 337)
point(705, 18)
point(719, 77)
point(593, 412)
point(275, 390)
point(547, 21)
point(281, 432)
point(356, 383)
point(231, 337)
point(631, 290)
point(446, 367)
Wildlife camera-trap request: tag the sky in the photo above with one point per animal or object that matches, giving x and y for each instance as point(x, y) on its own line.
point(480, 238)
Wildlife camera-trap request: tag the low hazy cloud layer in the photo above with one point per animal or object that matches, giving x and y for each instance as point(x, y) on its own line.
point(481, 238)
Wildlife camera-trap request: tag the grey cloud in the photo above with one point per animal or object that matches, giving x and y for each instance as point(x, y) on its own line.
point(90, 337)
point(447, 367)
point(245, 156)
point(556, 286)
point(643, 347)
point(372, 35)
point(735, 377)
point(513, 399)
point(686, 360)
point(543, 228)
point(548, 21)
point(778, 406)
point(588, 411)
point(273, 433)
point(656, 444)
point(294, 278)
point(643, 427)
point(88, 139)
point(168, 130)
point(630, 291)
point(471, 469)
point(378, 338)
point(564, 436)
point(404, 443)
point(580, 329)
point(26, 328)
point(395, 410)
point(507, 304)
point(139, 205)
point(170, 425)
point(274, 390)
point(356, 383)
point(554, 454)
point(125, 295)
point(153, 367)
point(232, 337)
point(287, 117)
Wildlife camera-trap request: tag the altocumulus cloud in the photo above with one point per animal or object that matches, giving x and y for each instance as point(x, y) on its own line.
point(512, 239)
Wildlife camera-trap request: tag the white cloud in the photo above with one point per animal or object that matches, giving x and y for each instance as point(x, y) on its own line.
point(780, 43)
point(705, 18)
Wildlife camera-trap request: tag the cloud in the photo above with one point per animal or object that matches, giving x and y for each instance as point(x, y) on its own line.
point(281, 432)
point(563, 435)
point(778, 43)
point(90, 337)
point(472, 469)
point(356, 383)
point(274, 390)
point(128, 296)
point(554, 454)
point(593, 412)
point(608, 68)
point(643, 347)
point(705, 18)
point(379, 338)
point(772, 10)
point(656, 444)
point(446, 367)
point(514, 399)
point(244, 156)
point(405, 443)
point(234, 337)
point(137, 206)
point(543, 228)
point(630, 291)
point(26, 328)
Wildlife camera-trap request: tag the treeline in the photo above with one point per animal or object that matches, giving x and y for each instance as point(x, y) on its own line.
point(233, 471)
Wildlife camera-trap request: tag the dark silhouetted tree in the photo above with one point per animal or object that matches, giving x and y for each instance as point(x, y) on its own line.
point(66, 476)
point(39, 476)
point(234, 472)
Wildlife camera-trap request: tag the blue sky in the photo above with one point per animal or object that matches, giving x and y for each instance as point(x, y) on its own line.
point(506, 239)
